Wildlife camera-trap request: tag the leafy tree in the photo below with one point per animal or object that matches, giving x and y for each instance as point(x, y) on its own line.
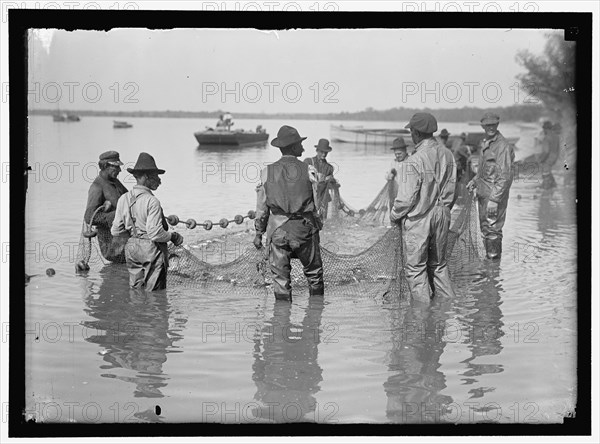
point(551, 75)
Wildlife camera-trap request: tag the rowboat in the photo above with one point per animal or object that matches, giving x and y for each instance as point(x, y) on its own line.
point(385, 136)
point(369, 136)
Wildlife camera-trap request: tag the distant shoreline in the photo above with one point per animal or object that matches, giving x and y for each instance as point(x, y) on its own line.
point(522, 113)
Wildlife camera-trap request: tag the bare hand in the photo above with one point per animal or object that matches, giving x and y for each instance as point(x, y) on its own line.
point(471, 186)
point(258, 241)
point(176, 238)
point(492, 209)
point(106, 206)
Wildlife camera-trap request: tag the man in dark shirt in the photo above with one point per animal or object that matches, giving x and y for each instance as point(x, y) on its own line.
point(285, 210)
point(324, 175)
point(461, 156)
point(106, 187)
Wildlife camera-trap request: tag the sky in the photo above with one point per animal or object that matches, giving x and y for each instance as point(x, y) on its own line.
point(306, 70)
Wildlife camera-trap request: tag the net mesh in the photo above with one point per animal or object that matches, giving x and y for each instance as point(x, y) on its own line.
point(380, 267)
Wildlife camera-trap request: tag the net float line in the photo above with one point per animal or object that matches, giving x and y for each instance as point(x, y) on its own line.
point(173, 220)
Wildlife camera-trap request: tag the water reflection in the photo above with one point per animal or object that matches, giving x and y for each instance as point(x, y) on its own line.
point(285, 369)
point(485, 324)
point(414, 385)
point(548, 215)
point(132, 326)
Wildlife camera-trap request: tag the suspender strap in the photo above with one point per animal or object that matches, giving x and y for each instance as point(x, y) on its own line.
point(438, 191)
point(131, 204)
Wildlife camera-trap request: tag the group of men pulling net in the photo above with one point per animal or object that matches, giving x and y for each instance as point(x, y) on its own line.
point(380, 267)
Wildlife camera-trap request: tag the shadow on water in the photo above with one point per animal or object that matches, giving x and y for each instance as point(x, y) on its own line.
point(231, 148)
point(414, 384)
point(285, 369)
point(481, 316)
point(485, 324)
point(552, 214)
point(132, 327)
point(419, 335)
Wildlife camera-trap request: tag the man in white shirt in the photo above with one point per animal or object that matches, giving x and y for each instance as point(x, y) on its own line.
point(140, 216)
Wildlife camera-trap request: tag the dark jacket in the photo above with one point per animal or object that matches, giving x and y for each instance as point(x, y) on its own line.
point(285, 193)
point(100, 191)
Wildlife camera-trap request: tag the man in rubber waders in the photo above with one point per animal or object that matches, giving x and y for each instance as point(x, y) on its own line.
point(287, 212)
point(492, 182)
point(422, 207)
point(325, 177)
point(139, 216)
point(106, 187)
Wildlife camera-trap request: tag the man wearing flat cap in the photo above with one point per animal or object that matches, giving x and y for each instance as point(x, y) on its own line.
point(400, 155)
point(140, 219)
point(422, 207)
point(324, 173)
point(106, 187)
point(286, 211)
point(493, 181)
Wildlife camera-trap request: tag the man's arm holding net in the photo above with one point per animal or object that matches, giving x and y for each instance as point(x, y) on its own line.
point(262, 210)
point(96, 199)
point(408, 192)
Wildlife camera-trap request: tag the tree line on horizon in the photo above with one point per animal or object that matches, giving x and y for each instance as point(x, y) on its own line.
point(524, 113)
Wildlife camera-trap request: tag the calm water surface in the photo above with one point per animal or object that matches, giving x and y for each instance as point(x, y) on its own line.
point(503, 351)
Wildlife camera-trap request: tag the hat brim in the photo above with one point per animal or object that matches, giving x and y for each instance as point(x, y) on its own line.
point(490, 122)
point(408, 125)
point(115, 162)
point(276, 142)
point(157, 171)
point(325, 150)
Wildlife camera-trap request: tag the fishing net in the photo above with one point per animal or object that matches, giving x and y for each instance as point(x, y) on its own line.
point(378, 270)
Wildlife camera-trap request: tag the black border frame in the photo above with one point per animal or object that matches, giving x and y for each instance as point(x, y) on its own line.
point(22, 19)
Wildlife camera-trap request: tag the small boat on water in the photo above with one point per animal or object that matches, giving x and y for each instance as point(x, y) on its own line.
point(223, 135)
point(65, 117)
point(232, 138)
point(121, 124)
point(370, 136)
point(385, 136)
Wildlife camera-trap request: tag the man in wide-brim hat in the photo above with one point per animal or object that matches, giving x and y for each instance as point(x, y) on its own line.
point(286, 211)
point(140, 217)
point(492, 182)
point(422, 207)
point(324, 172)
point(106, 188)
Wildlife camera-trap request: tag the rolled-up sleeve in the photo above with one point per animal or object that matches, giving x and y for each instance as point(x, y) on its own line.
point(408, 191)
point(154, 226)
point(262, 211)
point(118, 225)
